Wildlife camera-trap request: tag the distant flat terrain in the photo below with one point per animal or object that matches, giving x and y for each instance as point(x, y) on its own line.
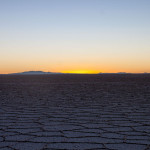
point(63, 111)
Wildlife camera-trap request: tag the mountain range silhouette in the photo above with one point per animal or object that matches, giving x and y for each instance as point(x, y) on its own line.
point(37, 72)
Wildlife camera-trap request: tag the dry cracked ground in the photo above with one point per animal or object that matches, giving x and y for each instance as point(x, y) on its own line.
point(44, 112)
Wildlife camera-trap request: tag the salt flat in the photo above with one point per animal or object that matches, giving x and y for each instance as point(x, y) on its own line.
point(41, 112)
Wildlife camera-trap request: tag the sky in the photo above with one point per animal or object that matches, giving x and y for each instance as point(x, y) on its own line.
point(75, 36)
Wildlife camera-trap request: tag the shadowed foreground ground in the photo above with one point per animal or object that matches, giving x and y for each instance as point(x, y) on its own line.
point(43, 112)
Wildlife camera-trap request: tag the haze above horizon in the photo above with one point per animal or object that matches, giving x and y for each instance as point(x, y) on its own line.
point(77, 36)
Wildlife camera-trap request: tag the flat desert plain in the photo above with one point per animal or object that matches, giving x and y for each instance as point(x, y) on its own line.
point(64, 111)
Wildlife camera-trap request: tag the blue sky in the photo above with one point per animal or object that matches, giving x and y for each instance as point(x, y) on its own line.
point(71, 35)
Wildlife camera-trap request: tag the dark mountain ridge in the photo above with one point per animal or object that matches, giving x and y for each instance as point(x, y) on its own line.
point(35, 72)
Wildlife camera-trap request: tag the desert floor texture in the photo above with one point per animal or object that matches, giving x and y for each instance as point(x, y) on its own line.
point(104, 111)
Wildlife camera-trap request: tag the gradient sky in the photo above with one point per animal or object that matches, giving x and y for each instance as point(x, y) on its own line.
point(75, 35)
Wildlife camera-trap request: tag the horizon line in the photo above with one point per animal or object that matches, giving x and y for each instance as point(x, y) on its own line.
point(71, 72)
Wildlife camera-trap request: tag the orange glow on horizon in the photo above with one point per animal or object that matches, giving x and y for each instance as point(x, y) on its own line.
point(81, 72)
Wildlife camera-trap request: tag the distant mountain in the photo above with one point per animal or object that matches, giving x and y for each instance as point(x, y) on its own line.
point(35, 72)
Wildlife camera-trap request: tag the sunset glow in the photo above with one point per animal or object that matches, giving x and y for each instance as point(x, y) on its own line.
point(82, 72)
point(75, 36)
